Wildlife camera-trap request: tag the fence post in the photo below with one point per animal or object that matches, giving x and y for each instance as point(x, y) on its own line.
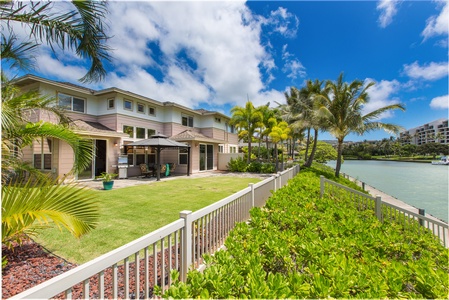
point(321, 186)
point(363, 185)
point(251, 185)
point(422, 212)
point(378, 207)
point(186, 255)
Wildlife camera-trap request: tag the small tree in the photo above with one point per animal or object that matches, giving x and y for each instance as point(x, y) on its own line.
point(279, 133)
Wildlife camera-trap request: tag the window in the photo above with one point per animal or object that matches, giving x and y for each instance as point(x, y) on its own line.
point(150, 132)
point(220, 148)
point(128, 105)
point(232, 149)
point(111, 103)
point(140, 108)
point(231, 129)
point(218, 120)
point(43, 154)
point(187, 121)
point(140, 133)
point(129, 130)
point(151, 111)
point(183, 156)
point(71, 103)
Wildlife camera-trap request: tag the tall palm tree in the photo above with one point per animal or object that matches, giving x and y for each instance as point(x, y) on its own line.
point(247, 119)
point(341, 109)
point(308, 94)
point(81, 29)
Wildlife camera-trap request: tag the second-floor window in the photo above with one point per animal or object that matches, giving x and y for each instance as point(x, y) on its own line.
point(187, 120)
point(151, 111)
point(111, 103)
point(141, 108)
point(72, 103)
point(127, 104)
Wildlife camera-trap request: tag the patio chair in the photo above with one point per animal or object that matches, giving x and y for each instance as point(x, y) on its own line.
point(144, 170)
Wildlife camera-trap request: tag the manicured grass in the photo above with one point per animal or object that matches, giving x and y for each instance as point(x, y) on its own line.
point(129, 213)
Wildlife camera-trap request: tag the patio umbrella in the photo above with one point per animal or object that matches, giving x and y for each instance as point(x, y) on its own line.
point(160, 141)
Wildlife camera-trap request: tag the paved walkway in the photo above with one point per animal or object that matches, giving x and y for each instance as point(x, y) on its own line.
point(133, 181)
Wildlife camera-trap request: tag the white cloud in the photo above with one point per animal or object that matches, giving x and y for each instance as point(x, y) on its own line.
point(381, 94)
point(441, 102)
point(431, 71)
point(283, 22)
point(193, 52)
point(438, 25)
point(292, 66)
point(388, 10)
point(51, 67)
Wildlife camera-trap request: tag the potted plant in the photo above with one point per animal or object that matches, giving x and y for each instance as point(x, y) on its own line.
point(107, 178)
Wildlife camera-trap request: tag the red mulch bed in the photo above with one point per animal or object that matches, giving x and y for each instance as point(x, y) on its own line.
point(29, 265)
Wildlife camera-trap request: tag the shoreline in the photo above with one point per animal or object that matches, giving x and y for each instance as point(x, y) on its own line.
point(390, 199)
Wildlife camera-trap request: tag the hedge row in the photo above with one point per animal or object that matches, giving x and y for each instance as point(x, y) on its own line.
point(301, 246)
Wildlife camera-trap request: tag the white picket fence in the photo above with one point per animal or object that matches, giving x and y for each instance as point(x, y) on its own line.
point(383, 210)
point(125, 272)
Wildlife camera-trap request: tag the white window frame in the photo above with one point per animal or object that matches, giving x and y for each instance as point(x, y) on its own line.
point(71, 103)
point(188, 118)
point(111, 100)
point(124, 104)
point(154, 111)
point(143, 108)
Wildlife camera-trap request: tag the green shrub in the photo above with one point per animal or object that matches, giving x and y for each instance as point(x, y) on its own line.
point(254, 167)
point(267, 168)
point(237, 165)
point(303, 246)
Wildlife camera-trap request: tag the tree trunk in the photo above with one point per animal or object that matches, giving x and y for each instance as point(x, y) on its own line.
point(312, 154)
point(249, 151)
point(339, 153)
point(307, 144)
point(276, 154)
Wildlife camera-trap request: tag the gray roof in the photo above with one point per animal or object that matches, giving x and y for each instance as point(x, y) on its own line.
point(158, 140)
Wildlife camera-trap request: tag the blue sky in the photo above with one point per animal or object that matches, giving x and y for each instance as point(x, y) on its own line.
point(217, 54)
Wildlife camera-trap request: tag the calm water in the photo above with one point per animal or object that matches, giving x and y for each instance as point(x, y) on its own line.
point(422, 185)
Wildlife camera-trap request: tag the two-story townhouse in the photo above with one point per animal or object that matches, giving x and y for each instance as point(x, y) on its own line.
point(113, 118)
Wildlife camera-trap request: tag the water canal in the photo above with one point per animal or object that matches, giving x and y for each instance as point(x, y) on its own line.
point(422, 185)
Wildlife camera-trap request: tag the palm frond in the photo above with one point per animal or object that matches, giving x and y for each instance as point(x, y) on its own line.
point(40, 203)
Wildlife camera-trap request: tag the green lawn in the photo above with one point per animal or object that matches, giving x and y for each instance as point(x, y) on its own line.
point(129, 213)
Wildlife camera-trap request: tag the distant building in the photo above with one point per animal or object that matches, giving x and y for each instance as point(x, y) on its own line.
point(433, 132)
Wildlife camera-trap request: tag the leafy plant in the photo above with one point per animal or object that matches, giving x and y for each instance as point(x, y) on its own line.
point(237, 165)
point(66, 205)
point(302, 246)
point(106, 177)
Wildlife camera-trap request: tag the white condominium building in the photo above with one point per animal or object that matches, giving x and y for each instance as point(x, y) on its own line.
point(433, 132)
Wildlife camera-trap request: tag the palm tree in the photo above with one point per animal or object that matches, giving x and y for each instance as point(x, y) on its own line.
point(341, 109)
point(247, 119)
point(18, 132)
point(38, 197)
point(81, 29)
point(308, 94)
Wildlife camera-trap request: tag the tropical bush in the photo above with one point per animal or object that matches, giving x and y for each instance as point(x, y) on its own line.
point(237, 165)
point(303, 246)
